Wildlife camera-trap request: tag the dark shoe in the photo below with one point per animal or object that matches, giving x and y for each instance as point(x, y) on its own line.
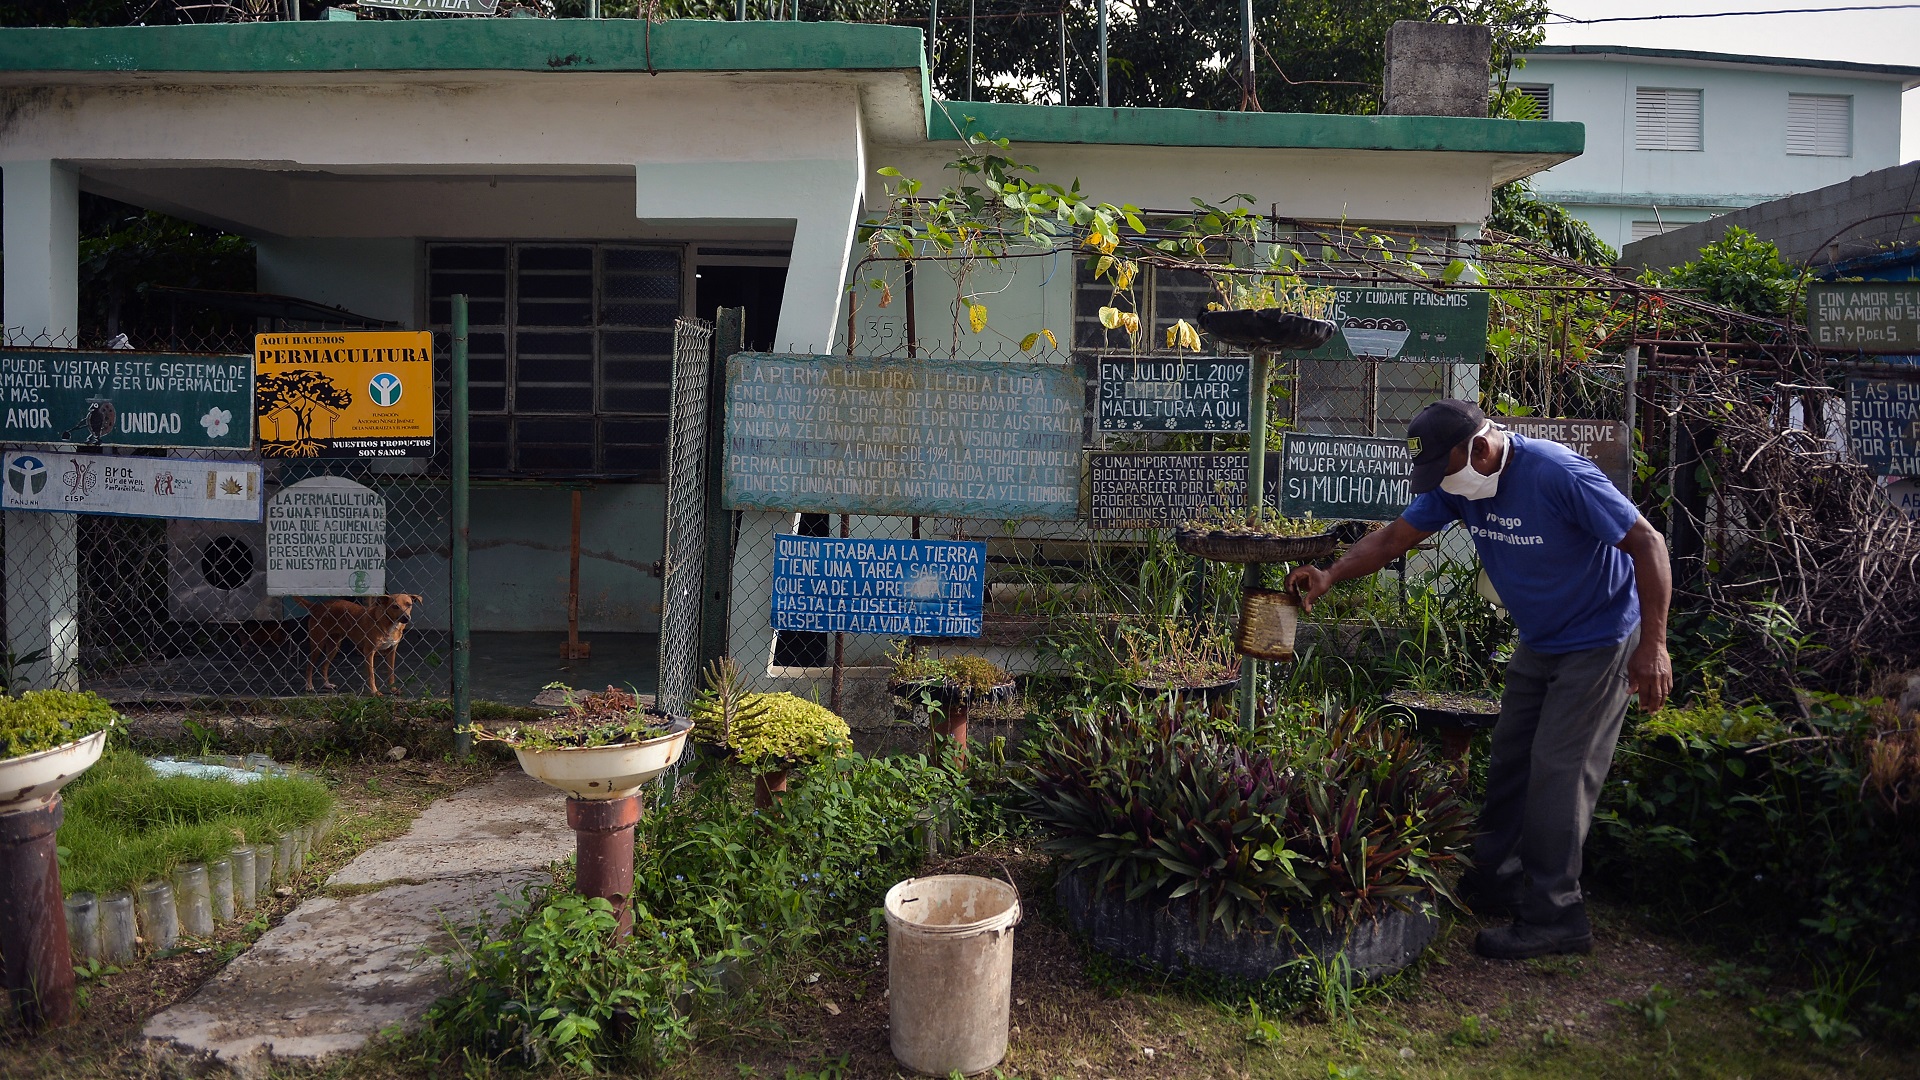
point(1491, 897)
point(1524, 940)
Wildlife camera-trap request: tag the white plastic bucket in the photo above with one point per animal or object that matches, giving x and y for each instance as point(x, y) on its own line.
point(950, 971)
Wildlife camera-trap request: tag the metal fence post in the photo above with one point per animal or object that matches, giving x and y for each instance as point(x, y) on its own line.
point(1256, 496)
point(461, 614)
point(1102, 9)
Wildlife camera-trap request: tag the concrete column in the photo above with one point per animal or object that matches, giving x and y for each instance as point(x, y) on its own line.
point(41, 306)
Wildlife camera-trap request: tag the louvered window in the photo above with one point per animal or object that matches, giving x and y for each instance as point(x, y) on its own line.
point(1541, 94)
point(1820, 125)
point(1645, 229)
point(1666, 118)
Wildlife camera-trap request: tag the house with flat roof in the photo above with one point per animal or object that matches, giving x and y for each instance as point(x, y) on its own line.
point(587, 183)
point(1676, 137)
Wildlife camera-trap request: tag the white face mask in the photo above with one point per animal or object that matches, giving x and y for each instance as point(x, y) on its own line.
point(1468, 482)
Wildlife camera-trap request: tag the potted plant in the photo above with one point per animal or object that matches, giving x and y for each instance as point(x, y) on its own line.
point(768, 733)
point(1194, 845)
point(948, 686)
point(1187, 664)
point(1261, 535)
point(47, 738)
point(602, 745)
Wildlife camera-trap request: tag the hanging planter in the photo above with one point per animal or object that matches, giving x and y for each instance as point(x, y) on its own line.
point(1454, 717)
point(1217, 545)
point(1269, 623)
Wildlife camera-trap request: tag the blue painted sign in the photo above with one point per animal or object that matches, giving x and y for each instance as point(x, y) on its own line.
point(904, 588)
point(941, 438)
point(1883, 425)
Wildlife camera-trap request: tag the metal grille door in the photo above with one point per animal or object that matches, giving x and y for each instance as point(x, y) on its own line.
point(685, 561)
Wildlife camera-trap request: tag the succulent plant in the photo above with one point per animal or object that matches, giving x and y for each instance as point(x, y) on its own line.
point(43, 719)
point(1339, 824)
point(763, 728)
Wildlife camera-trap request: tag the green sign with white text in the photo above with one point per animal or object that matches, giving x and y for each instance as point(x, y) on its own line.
point(126, 399)
point(1406, 325)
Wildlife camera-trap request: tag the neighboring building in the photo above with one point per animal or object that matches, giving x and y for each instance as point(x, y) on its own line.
point(1675, 137)
point(586, 182)
point(1866, 227)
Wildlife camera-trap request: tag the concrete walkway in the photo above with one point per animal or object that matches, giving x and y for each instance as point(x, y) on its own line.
point(337, 971)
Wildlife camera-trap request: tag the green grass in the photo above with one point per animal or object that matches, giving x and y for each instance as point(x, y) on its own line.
point(124, 825)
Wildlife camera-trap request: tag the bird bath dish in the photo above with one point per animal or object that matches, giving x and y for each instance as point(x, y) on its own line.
point(31, 781)
point(603, 746)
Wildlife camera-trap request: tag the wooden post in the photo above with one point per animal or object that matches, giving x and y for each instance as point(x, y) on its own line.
point(574, 649)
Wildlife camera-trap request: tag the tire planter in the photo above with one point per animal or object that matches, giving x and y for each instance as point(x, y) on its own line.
point(1253, 547)
point(1164, 936)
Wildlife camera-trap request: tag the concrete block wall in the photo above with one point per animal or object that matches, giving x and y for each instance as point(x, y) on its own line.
point(1800, 224)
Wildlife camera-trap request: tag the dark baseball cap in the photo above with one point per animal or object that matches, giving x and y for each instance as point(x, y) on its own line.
point(1432, 435)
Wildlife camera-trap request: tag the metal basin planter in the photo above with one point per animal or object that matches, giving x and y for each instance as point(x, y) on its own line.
point(1212, 697)
point(1454, 717)
point(1164, 935)
point(30, 781)
point(956, 704)
point(606, 772)
point(1218, 546)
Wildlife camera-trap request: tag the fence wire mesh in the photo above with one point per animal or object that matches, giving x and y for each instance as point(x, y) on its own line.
point(145, 609)
point(685, 558)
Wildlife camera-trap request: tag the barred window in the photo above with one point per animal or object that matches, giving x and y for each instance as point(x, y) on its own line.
point(570, 352)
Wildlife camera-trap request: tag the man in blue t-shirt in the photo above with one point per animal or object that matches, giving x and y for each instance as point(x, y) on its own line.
point(1586, 580)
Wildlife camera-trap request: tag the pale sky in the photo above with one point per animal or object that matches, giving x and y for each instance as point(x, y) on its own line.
point(1868, 37)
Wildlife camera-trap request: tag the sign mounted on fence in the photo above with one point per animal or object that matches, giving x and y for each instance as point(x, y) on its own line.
point(326, 536)
point(437, 7)
point(1905, 497)
point(345, 394)
point(1345, 477)
point(1864, 316)
point(1606, 443)
point(1883, 425)
point(906, 588)
point(1406, 324)
point(1148, 490)
point(1157, 394)
point(131, 486)
point(126, 399)
point(946, 438)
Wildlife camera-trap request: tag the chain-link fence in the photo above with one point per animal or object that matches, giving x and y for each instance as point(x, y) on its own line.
point(154, 609)
point(685, 560)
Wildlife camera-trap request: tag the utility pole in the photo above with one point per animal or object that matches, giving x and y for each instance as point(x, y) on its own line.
point(1063, 54)
point(1247, 98)
point(933, 36)
point(1102, 7)
point(970, 20)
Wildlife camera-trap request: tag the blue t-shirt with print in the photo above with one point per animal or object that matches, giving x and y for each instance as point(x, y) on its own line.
point(1547, 542)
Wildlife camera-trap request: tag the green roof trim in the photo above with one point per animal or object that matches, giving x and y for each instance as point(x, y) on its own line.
point(558, 45)
point(1193, 127)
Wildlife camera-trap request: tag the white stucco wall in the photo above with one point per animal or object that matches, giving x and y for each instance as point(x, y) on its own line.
point(1743, 128)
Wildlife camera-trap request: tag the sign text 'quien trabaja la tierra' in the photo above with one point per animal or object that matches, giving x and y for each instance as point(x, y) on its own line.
point(326, 537)
point(917, 588)
point(943, 438)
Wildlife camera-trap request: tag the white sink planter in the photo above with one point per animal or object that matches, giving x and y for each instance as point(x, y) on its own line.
point(606, 772)
point(31, 781)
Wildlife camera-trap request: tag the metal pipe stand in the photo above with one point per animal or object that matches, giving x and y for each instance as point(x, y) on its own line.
point(603, 866)
point(33, 917)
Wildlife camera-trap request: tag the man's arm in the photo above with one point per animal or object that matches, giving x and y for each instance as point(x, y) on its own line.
point(1649, 671)
point(1372, 552)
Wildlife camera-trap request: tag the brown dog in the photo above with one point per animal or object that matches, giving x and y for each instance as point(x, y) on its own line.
point(374, 627)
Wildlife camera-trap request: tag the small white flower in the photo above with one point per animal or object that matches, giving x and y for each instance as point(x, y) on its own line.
point(216, 422)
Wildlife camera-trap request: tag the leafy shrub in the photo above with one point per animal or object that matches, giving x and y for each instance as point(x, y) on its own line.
point(1787, 838)
point(771, 728)
point(975, 675)
point(125, 825)
point(722, 893)
point(1706, 716)
point(1740, 271)
point(43, 719)
point(1337, 823)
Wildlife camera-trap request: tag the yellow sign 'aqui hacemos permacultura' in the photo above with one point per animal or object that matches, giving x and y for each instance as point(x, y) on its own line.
point(344, 394)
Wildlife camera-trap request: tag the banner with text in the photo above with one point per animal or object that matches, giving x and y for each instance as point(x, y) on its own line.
point(345, 394)
point(1162, 490)
point(1606, 443)
point(126, 399)
point(1883, 425)
point(906, 588)
point(944, 438)
point(326, 537)
point(1406, 324)
point(1345, 477)
point(1141, 393)
point(131, 486)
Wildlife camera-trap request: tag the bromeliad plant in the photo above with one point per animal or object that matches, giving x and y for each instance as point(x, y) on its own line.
point(1251, 829)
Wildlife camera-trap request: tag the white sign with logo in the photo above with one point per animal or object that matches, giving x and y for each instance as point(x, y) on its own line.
point(131, 486)
point(326, 537)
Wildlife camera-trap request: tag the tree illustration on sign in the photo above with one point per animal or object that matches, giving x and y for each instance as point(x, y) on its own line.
point(302, 392)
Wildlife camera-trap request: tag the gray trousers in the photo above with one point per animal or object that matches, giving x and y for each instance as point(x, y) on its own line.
point(1559, 720)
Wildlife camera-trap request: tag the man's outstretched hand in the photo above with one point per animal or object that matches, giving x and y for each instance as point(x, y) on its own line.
point(1309, 583)
point(1650, 674)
